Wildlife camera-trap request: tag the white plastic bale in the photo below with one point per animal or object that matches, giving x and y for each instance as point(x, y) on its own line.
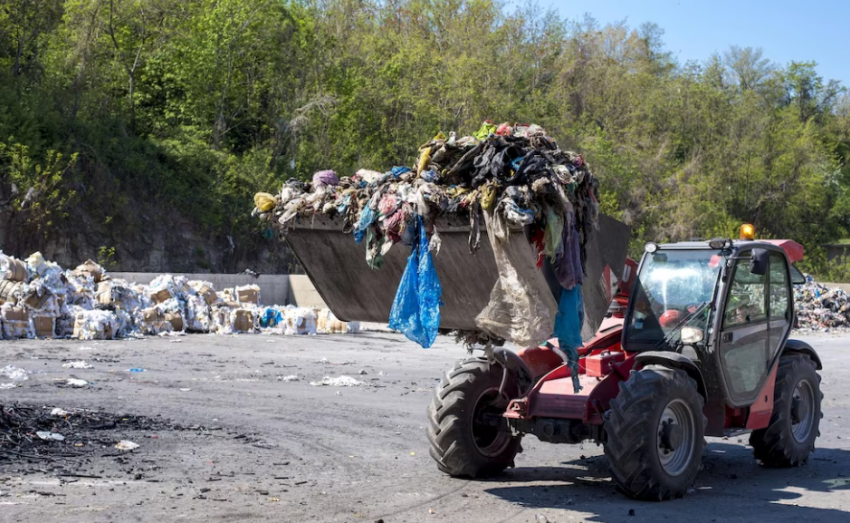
point(96, 324)
point(198, 316)
point(299, 320)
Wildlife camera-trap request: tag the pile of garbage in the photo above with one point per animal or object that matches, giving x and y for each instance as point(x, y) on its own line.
point(820, 308)
point(508, 177)
point(38, 299)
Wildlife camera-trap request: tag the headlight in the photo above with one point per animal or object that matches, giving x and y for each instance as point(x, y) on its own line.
point(691, 335)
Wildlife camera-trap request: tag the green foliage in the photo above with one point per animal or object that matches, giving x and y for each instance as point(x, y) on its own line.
point(40, 194)
point(193, 105)
point(106, 257)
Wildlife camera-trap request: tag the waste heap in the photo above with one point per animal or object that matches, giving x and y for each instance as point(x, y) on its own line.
point(820, 308)
point(38, 299)
point(506, 177)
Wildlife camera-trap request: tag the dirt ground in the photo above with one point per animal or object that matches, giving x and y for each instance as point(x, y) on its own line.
point(223, 437)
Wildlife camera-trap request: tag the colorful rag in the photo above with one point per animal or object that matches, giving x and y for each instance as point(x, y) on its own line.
point(568, 323)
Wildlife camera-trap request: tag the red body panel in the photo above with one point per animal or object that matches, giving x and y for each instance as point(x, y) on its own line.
point(793, 249)
point(761, 410)
point(599, 365)
point(553, 395)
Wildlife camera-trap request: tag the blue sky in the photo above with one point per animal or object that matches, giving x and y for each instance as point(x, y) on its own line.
point(805, 30)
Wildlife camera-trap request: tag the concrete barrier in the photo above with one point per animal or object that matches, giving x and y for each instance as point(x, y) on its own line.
point(843, 286)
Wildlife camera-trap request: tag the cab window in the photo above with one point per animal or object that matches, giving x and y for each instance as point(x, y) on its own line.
point(780, 292)
point(747, 295)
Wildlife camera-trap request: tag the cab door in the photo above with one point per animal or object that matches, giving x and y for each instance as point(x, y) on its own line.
point(745, 333)
point(779, 305)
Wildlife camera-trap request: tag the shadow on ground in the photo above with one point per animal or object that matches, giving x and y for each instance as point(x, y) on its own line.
point(731, 487)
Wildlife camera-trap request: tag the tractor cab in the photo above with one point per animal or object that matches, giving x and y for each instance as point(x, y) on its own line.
point(726, 305)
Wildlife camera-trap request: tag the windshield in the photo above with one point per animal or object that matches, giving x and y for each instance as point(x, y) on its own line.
point(670, 291)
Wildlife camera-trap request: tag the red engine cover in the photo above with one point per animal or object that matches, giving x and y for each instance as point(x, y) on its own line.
point(599, 365)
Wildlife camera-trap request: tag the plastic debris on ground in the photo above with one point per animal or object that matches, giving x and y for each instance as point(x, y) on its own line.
point(14, 373)
point(50, 436)
point(75, 382)
point(342, 381)
point(820, 308)
point(126, 445)
point(77, 365)
point(38, 299)
point(515, 175)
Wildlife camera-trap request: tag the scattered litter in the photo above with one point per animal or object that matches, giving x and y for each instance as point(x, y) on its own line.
point(136, 369)
point(58, 412)
point(7, 386)
point(84, 347)
point(541, 518)
point(431, 511)
point(362, 372)
point(75, 382)
point(323, 360)
point(291, 377)
point(126, 445)
point(176, 341)
point(77, 365)
point(50, 436)
point(185, 390)
point(14, 373)
point(342, 381)
point(339, 393)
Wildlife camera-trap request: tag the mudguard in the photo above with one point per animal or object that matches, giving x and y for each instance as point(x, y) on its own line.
point(676, 361)
point(801, 347)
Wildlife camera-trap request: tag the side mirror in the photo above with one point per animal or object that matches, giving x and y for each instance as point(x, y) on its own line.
point(758, 261)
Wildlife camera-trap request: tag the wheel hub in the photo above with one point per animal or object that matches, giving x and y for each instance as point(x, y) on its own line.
point(802, 411)
point(486, 424)
point(676, 436)
point(671, 435)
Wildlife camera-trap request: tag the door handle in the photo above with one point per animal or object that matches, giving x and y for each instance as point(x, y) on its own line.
point(727, 337)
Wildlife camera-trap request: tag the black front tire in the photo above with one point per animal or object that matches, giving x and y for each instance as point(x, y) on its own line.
point(794, 424)
point(461, 444)
point(646, 461)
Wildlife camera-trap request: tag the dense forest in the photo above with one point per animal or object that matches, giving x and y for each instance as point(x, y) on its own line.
point(120, 109)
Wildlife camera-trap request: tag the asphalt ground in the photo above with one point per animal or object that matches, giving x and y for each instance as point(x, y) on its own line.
point(223, 437)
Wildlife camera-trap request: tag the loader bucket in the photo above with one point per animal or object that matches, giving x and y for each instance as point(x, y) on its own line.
point(336, 266)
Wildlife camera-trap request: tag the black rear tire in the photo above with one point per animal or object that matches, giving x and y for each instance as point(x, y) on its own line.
point(656, 434)
point(466, 404)
point(794, 424)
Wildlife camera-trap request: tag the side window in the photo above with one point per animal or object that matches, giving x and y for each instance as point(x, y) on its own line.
point(747, 301)
point(779, 288)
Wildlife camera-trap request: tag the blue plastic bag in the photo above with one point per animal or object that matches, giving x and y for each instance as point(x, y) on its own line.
point(271, 318)
point(367, 216)
point(568, 322)
point(416, 308)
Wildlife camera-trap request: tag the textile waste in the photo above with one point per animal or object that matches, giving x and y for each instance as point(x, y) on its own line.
point(512, 177)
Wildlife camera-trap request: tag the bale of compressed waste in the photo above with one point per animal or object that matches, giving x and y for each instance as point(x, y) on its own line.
point(12, 269)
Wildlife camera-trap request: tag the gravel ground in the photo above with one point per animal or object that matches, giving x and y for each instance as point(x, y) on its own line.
point(223, 437)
